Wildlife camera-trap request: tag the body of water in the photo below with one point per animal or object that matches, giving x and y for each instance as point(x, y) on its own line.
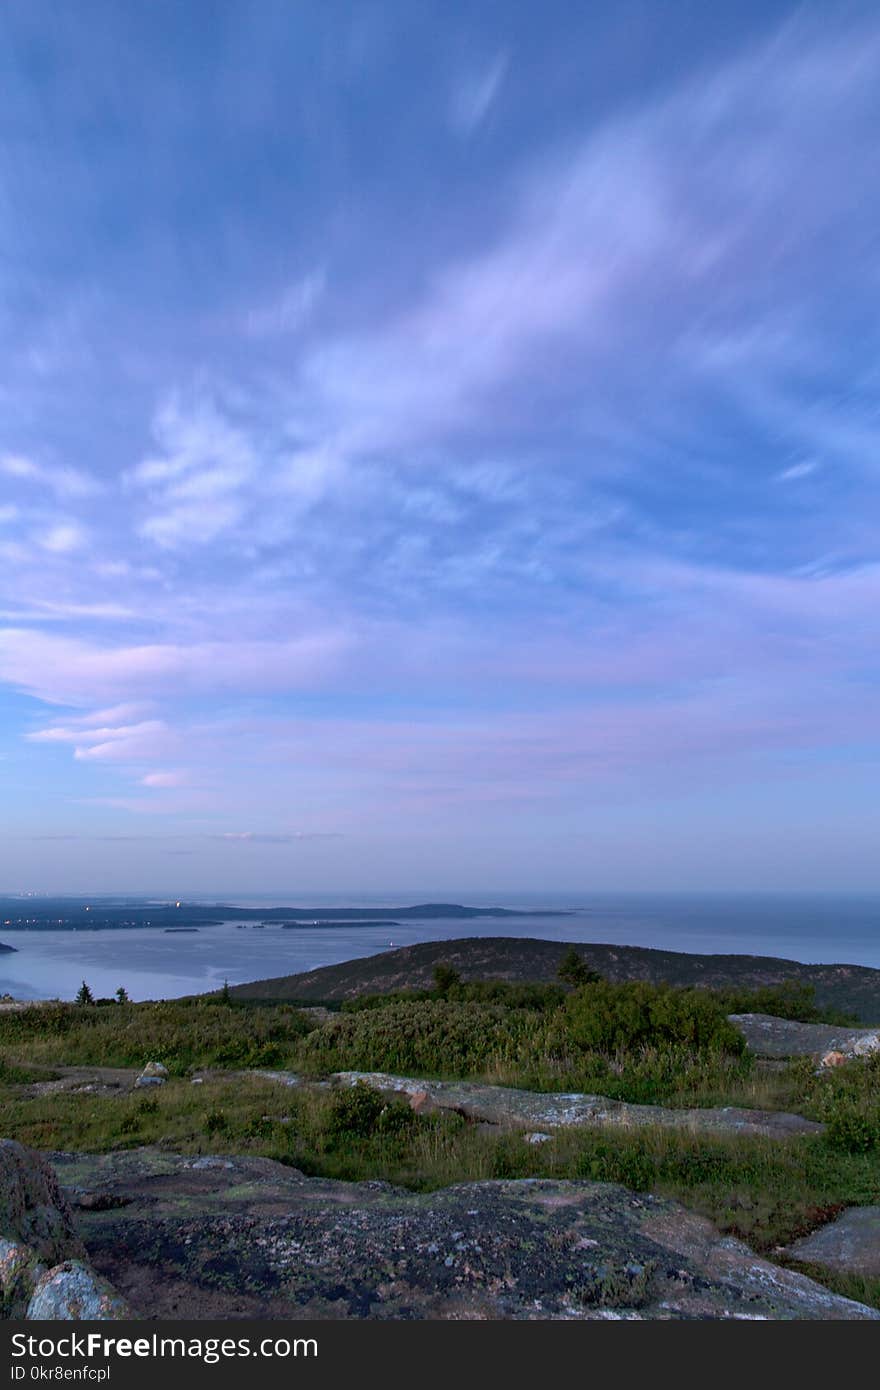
point(152, 963)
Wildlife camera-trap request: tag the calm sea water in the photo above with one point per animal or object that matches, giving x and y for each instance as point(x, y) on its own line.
point(153, 964)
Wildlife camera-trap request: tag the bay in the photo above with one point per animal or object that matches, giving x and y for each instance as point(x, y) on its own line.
point(151, 963)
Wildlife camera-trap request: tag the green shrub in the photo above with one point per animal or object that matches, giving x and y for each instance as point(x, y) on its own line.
point(543, 998)
point(354, 1112)
point(792, 999)
point(606, 1017)
point(358, 1112)
point(430, 1036)
point(847, 1098)
point(853, 1126)
point(365, 1002)
point(510, 994)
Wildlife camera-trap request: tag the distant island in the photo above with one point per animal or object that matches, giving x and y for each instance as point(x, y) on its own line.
point(80, 914)
point(4, 947)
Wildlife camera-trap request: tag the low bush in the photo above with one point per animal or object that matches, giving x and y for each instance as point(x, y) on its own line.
point(429, 1036)
point(508, 994)
point(792, 999)
point(359, 1112)
point(847, 1098)
point(605, 1017)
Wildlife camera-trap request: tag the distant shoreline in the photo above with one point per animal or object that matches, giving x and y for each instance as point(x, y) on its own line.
point(62, 915)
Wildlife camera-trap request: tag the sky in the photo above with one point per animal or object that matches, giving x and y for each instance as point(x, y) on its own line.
point(439, 446)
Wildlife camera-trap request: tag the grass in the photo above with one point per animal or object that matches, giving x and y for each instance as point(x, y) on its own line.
point(765, 1191)
point(181, 1033)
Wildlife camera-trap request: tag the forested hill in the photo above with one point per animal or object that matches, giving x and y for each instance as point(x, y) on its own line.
point(852, 988)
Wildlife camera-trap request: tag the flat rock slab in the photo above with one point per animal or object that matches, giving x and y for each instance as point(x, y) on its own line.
point(781, 1037)
point(537, 1109)
point(247, 1237)
point(851, 1243)
point(98, 1081)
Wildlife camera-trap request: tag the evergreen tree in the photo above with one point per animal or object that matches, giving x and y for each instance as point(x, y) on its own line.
point(574, 971)
point(445, 977)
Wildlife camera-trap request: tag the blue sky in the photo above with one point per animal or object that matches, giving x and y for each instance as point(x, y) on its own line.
point(439, 446)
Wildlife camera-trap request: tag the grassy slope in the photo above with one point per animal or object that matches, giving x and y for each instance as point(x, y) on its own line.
point(853, 988)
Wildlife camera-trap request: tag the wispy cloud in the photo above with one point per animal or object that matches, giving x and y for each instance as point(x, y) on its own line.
point(173, 778)
point(253, 837)
point(63, 537)
point(64, 481)
point(289, 310)
point(503, 474)
point(475, 95)
point(67, 670)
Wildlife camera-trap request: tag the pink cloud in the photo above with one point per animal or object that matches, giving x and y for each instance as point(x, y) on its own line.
point(68, 670)
point(176, 778)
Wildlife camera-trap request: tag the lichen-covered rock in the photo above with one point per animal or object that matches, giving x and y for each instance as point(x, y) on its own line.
point(505, 1105)
point(20, 1270)
point(33, 1210)
point(254, 1238)
point(767, 1036)
point(73, 1292)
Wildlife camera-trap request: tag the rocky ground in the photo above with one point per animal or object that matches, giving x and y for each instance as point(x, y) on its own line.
point(154, 1234)
point(167, 1235)
point(782, 1037)
point(246, 1237)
